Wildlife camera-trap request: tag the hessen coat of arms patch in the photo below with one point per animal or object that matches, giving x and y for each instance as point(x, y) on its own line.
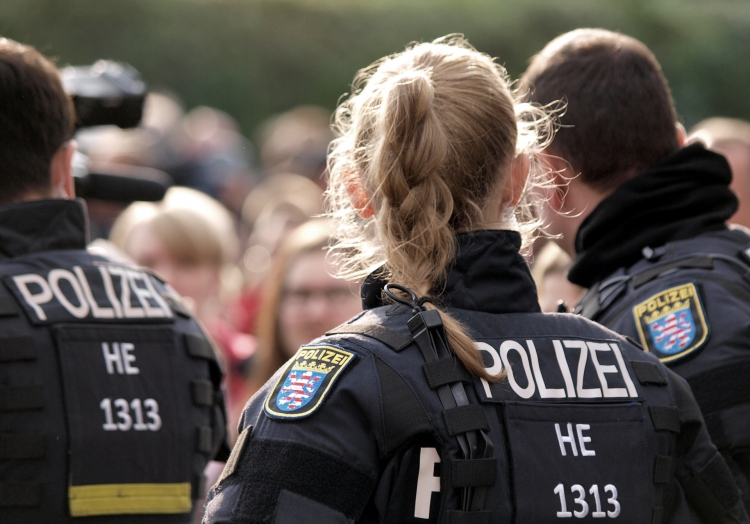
point(306, 381)
point(672, 323)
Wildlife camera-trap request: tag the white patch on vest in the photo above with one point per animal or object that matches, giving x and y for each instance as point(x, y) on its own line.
point(544, 392)
point(535, 381)
point(36, 290)
point(505, 347)
point(79, 311)
point(34, 299)
point(494, 369)
point(98, 312)
point(428, 483)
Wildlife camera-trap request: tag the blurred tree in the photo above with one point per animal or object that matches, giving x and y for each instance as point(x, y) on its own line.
point(254, 58)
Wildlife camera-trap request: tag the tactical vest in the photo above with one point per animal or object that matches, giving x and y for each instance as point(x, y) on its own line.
point(109, 394)
point(688, 302)
point(584, 426)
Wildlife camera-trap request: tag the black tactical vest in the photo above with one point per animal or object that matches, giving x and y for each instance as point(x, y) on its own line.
point(688, 303)
point(376, 422)
point(109, 394)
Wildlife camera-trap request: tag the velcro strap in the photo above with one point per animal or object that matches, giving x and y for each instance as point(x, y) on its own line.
point(657, 515)
point(198, 347)
point(465, 418)
point(715, 426)
point(665, 418)
point(393, 339)
point(203, 393)
point(20, 446)
point(8, 307)
point(712, 490)
point(13, 349)
point(205, 436)
point(468, 517)
point(445, 371)
point(648, 373)
point(734, 390)
point(473, 472)
point(662, 469)
point(21, 398)
point(20, 494)
point(232, 462)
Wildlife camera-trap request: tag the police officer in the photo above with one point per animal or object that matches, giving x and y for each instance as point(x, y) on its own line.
point(645, 221)
point(109, 392)
point(452, 398)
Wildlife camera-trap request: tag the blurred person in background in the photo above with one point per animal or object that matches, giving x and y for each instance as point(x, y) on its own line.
point(279, 204)
point(644, 217)
point(189, 240)
point(297, 142)
point(731, 138)
point(215, 157)
point(301, 298)
point(556, 293)
point(412, 411)
point(110, 400)
point(145, 151)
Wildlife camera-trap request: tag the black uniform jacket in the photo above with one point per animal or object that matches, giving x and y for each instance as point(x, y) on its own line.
point(109, 392)
point(686, 298)
point(585, 425)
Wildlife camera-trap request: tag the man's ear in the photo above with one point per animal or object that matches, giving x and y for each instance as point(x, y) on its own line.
point(519, 174)
point(61, 171)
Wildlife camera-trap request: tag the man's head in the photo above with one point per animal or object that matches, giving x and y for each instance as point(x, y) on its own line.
point(36, 123)
point(731, 138)
point(619, 117)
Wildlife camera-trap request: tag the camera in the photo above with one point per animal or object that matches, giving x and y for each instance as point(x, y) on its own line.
point(111, 93)
point(106, 93)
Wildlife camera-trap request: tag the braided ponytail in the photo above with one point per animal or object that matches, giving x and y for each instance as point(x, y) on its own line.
point(416, 204)
point(423, 143)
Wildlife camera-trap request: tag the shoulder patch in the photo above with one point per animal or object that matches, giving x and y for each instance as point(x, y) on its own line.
point(672, 323)
point(306, 381)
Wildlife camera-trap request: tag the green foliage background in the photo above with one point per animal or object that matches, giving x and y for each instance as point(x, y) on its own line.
point(254, 58)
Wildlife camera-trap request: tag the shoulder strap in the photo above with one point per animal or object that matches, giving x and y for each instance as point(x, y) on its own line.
point(475, 472)
point(592, 302)
point(393, 339)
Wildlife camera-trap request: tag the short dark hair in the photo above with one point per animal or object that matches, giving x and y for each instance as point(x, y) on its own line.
point(36, 118)
point(619, 115)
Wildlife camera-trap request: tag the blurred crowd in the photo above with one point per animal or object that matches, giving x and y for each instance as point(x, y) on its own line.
point(238, 234)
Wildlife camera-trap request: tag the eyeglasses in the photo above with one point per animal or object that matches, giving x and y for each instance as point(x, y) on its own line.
point(333, 296)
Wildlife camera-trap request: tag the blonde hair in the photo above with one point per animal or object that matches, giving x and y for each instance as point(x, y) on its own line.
point(425, 138)
point(194, 228)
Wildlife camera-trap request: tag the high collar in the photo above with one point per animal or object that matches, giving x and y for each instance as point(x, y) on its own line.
point(488, 274)
point(683, 196)
point(41, 225)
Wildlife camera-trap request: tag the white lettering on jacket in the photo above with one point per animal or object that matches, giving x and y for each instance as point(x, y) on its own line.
point(81, 301)
point(525, 377)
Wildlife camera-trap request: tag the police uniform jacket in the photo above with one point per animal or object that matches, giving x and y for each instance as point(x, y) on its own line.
point(586, 426)
point(677, 282)
point(109, 399)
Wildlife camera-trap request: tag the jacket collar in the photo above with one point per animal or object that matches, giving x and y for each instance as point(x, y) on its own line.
point(41, 225)
point(681, 197)
point(488, 274)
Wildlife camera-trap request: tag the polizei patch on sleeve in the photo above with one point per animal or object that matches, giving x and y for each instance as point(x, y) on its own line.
point(672, 323)
point(306, 381)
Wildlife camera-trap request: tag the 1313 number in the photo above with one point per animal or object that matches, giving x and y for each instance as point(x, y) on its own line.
point(125, 421)
point(580, 500)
